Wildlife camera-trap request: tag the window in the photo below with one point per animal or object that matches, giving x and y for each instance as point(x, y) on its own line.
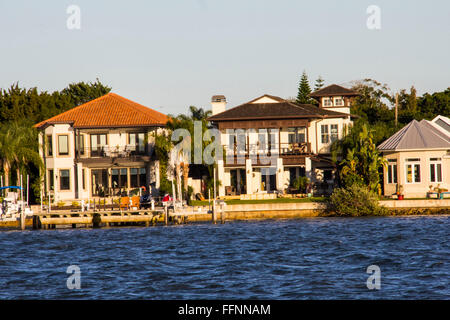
point(51, 180)
point(443, 124)
point(138, 177)
point(49, 145)
point(79, 144)
point(435, 170)
point(115, 178)
point(123, 178)
point(142, 177)
point(64, 179)
point(338, 102)
point(262, 139)
point(134, 178)
point(98, 142)
point(272, 140)
point(231, 139)
point(297, 135)
point(413, 173)
point(327, 102)
point(241, 139)
point(392, 173)
point(99, 182)
point(334, 132)
point(119, 178)
point(63, 145)
point(325, 134)
point(137, 140)
point(83, 178)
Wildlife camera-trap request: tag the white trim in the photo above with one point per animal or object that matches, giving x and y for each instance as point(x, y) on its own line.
point(435, 162)
point(413, 171)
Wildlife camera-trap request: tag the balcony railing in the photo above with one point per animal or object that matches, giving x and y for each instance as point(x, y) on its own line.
point(282, 149)
point(266, 155)
point(113, 152)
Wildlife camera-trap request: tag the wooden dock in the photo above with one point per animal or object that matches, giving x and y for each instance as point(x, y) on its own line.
point(97, 219)
point(50, 220)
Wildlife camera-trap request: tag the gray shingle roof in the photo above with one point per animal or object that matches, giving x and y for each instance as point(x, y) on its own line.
point(333, 90)
point(416, 135)
point(280, 109)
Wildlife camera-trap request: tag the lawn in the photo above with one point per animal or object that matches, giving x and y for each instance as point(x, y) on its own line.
point(278, 200)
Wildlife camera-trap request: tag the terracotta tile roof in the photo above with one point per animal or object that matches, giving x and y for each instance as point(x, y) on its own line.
point(108, 111)
point(282, 109)
point(333, 90)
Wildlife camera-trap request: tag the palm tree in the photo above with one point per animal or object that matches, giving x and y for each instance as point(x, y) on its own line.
point(198, 113)
point(18, 149)
point(361, 159)
point(7, 146)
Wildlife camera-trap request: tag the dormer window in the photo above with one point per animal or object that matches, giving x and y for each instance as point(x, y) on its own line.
point(338, 102)
point(327, 102)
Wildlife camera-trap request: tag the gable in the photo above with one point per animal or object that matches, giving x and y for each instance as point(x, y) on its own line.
point(265, 99)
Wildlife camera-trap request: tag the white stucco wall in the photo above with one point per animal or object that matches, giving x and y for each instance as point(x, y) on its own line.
point(417, 190)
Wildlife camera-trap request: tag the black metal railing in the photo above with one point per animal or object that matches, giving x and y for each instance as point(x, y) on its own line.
point(113, 151)
point(282, 149)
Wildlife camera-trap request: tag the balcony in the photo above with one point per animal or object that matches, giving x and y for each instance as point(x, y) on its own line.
point(291, 153)
point(113, 153)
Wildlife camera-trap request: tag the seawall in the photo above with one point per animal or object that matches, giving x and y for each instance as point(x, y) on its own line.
point(315, 209)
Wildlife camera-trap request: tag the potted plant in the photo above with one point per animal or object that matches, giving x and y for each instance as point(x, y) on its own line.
point(440, 191)
point(399, 192)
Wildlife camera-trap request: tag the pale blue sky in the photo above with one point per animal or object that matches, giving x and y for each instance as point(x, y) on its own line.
point(172, 54)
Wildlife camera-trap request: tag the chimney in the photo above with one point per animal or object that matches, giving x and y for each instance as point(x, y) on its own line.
point(218, 104)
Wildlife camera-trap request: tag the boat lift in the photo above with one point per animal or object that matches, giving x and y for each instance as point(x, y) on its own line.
point(11, 207)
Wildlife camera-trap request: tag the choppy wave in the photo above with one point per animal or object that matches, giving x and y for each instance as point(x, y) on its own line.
point(323, 258)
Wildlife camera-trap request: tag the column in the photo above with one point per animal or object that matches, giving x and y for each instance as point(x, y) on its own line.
point(308, 168)
point(220, 177)
point(280, 174)
point(157, 177)
point(79, 180)
point(249, 175)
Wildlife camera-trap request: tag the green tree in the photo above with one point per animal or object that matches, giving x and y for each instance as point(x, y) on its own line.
point(431, 105)
point(372, 102)
point(187, 121)
point(18, 149)
point(20, 109)
point(319, 83)
point(304, 90)
point(407, 106)
point(82, 92)
point(361, 161)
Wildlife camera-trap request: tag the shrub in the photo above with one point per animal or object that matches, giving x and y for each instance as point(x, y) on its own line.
point(75, 204)
point(301, 184)
point(354, 201)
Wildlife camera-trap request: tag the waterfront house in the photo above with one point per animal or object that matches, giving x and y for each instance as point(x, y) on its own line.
point(101, 148)
point(268, 142)
point(418, 158)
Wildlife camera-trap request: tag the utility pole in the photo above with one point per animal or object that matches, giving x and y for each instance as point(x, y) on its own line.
point(396, 110)
point(214, 195)
point(22, 209)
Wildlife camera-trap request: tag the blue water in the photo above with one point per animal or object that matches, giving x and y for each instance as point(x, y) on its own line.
point(320, 258)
